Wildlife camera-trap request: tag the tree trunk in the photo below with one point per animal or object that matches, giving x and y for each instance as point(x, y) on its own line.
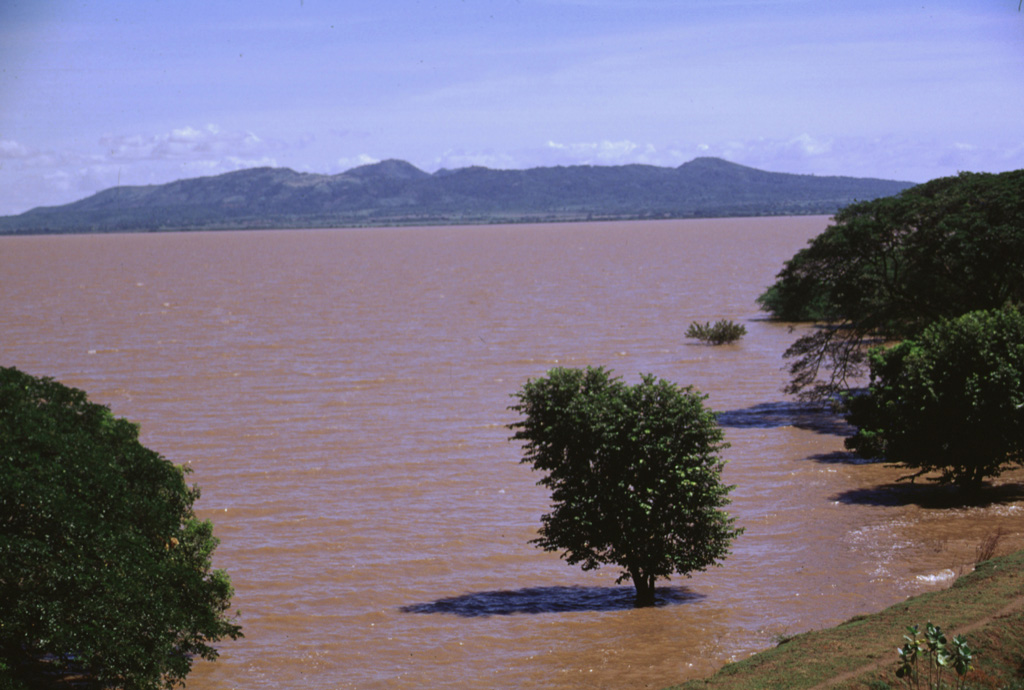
point(644, 588)
point(974, 482)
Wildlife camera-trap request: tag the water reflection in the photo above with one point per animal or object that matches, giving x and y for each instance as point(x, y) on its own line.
point(842, 457)
point(932, 496)
point(548, 600)
point(807, 416)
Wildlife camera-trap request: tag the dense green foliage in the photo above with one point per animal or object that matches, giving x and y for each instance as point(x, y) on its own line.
point(634, 474)
point(719, 333)
point(104, 568)
point(949, 401)
point(394, 192)
point(887, 268)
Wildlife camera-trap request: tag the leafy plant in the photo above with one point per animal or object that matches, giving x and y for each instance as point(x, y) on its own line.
point(886, 269)
point(719, 333)
point(634, 473)
point(940, 654)
point(105, 570)
point(949, 401)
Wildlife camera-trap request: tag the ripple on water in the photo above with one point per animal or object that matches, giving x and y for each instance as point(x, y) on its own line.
point(342, 398)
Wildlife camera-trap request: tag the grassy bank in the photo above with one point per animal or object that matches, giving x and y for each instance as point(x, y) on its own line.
point(987, 606)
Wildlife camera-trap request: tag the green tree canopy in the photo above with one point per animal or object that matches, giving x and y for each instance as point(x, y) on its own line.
point(949, 401)
point(104, 568)
point(634, 474)
point(887, 268)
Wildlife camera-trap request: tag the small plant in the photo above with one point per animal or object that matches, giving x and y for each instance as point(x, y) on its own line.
point(987, 548)
point(940, 653)
point(719, 333)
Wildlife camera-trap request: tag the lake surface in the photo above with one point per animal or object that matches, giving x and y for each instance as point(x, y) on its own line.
point(342, 395)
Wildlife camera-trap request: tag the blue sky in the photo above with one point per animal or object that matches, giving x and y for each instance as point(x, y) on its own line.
point(99, 93)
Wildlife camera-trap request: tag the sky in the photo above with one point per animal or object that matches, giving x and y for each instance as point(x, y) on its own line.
point(100, 93)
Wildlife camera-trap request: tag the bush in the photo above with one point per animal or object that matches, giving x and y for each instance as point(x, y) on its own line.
point(719, 333)
point(950, 401)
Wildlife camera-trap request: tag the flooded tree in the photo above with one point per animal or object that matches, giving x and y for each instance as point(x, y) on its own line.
point(721, 332)
point(634, 473)
point(886, 269)
point(104, 568)
point(950, 401)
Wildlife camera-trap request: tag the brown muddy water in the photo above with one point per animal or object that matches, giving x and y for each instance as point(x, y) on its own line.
point(341, 397)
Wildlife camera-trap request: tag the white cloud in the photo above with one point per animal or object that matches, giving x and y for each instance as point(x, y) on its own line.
point(343, 164)
point(31, 177)
point(461, 158)
point(605, 152)
point(10, 149)
point(184, 143)
point(551, 153)
point(799, 147)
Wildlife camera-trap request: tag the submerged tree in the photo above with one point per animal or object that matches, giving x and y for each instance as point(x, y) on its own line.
point(885, 269)
point(949, 401)
point(104, 568)
point(634, 473)
point(720, 332)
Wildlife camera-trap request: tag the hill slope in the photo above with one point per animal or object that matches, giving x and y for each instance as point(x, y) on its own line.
point(396, 192)
point(987, 606)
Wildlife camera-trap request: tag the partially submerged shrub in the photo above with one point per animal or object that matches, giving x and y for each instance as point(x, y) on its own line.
point(986, 550)
point(719, 333)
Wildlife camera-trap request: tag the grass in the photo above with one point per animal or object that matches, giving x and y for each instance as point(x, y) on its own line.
point(986, 605)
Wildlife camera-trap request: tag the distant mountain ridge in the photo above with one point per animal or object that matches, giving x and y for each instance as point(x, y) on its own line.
point(394, 192)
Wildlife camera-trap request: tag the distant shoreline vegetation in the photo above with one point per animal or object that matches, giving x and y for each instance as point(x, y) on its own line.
point(396, 194)
point(388, 223)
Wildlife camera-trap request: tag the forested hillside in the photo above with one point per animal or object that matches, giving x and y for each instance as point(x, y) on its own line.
point(394, 192)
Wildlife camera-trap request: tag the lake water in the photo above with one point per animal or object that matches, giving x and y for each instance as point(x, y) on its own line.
point(341, 396)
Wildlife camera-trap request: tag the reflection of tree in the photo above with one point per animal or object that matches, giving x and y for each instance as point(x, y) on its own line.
point(535, 600)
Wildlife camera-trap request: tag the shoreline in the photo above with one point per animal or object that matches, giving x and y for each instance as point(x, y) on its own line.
point(986, 605)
